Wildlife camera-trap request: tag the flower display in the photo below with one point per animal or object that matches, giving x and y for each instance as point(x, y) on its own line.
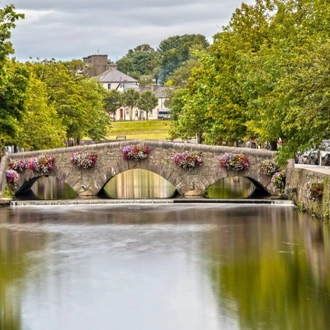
point(136, 152)
point(268, 167)
point(278, 180)
point(235, 162)
point(314, 189)
point(188, 160)
point(12, 176)
point(43, 163)
point(83, 159)
point(18, 165)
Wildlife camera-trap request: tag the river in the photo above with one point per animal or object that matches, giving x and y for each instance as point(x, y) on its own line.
point(196, 266)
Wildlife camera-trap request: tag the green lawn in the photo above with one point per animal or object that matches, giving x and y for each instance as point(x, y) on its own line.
point(141, 130)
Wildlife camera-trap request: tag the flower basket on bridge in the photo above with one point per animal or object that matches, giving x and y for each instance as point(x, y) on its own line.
point(314, 189)
point(12, 176)
point(268, 167)
point(188, 160)
point(18, 165)
point(278, 181)
point(83, 159)
point(236, 162)
point(136, 152)
point(43, 163)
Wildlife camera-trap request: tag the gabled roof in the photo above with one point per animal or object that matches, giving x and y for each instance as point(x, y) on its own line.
point(113, 75)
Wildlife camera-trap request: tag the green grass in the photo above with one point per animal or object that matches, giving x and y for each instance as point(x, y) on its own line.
point(141, 130)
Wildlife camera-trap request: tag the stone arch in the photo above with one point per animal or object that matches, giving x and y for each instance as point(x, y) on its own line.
point(110, 162)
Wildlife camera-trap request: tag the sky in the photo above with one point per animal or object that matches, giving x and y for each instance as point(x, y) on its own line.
point(73, 29)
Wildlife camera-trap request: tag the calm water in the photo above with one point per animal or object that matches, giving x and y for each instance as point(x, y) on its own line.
point(163, 267)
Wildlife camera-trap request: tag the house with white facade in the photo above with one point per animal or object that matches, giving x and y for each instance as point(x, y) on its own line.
point(112, 78)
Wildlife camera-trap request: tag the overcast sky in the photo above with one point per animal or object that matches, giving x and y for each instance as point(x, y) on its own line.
point(73, 29)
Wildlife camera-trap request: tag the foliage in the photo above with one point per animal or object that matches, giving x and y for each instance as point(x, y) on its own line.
point(18, 165)
point(268, 167)
point(40, 126)
point(278, 180)
point(147, 101)
point(174, 51)
point(235, 162)
point(135, 152)
point(130, 99)
point(43, 163)
point(188, 160)
point(84, 159)
point(12, 176)
point(314, 189)
point(113, 100)
point(78, 100)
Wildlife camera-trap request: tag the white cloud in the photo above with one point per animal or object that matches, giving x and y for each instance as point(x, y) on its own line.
point(67, 29)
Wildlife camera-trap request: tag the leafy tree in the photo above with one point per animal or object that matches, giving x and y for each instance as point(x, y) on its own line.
point(147, 101)
point(13, 78)
point(130, 99)
point(113, 100)
point(40, 127)
point(173, 52)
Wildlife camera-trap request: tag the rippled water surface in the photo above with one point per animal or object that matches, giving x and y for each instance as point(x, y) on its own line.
point(163, 267)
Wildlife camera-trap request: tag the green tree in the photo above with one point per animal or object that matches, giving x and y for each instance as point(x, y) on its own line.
point(130, 99)
point(113, 100)
point(173, 52)
point(40, 127)
point(13, 78)
point(147, 101)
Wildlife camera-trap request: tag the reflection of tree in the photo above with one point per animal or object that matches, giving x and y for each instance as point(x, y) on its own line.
point(13, 268)
point(266, 278)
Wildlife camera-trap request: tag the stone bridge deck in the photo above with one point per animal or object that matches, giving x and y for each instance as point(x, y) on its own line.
point(89, 182)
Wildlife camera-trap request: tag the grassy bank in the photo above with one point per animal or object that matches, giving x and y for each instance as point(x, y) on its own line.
point(144, 129)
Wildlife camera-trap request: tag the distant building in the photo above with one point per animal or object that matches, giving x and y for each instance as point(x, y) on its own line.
point(111, 78)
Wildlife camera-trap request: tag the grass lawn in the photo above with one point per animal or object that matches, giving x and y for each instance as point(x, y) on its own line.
point(142, 129)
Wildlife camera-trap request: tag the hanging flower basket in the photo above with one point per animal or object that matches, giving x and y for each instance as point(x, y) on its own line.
point(188, 160)
point(43, 163)
point(236, 162)
point(314, 189)
point(268, 167)
point(18, 165)
point(83, 159)
point(12, 176)
point(136, 152)
point(278, 180)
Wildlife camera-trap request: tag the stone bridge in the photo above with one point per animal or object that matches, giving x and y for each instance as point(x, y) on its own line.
point(89, 182)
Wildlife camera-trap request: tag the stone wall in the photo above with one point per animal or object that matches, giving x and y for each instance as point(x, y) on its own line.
point(89, 182)
point(296, 179)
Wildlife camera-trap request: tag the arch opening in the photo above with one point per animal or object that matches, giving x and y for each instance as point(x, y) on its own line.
point(46, 188)
point(239, 187)
point(138, 183)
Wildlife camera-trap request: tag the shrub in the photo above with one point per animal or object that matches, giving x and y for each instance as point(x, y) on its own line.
point(235, 162)
point(136, 152)
point(83, 159)
point(188, 160)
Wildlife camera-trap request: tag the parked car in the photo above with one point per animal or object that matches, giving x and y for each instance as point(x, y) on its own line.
point(164, 114)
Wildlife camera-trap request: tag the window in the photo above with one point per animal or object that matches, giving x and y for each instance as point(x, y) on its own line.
point(109, 86)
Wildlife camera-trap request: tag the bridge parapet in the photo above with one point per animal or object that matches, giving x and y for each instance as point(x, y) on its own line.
point(89, 182)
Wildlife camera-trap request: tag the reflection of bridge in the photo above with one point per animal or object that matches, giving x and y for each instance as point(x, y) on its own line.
point(89, 182)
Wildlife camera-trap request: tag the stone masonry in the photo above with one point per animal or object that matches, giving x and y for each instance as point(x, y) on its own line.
point(89, 182)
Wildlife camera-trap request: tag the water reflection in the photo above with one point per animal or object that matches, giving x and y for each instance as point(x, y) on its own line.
point(232, 187)
point(193, 266)
point(49, 187)
point(139, 183)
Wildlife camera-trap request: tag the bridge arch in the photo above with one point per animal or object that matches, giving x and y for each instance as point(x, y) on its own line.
point(89, 182)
